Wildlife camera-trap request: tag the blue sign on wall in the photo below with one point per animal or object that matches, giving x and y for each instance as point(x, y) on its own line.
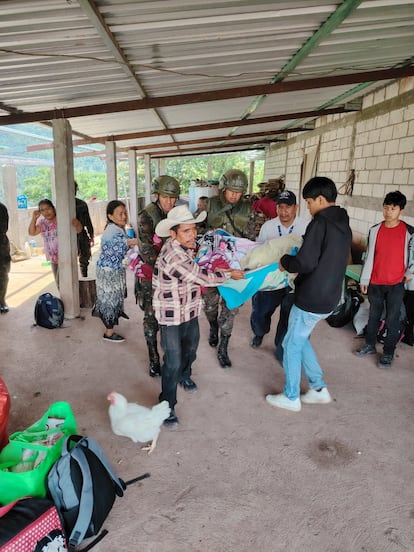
point(22, 201)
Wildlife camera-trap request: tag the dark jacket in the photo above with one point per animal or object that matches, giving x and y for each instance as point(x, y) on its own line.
point(321, 261)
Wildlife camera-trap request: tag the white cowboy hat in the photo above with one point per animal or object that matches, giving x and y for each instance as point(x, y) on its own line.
point(177, 215)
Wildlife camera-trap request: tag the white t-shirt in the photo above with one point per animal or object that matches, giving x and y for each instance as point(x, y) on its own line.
point(273, 228)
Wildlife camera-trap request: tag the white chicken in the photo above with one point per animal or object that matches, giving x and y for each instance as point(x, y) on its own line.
point(137, 422)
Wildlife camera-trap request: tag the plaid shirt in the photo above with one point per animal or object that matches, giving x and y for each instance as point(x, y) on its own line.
point(177, 282)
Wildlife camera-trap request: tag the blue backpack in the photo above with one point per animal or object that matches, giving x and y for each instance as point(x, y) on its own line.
point(49, 311)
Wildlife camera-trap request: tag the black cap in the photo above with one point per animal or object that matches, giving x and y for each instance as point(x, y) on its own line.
point(287, 197)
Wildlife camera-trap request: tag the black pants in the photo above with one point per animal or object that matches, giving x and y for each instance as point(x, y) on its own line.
point(180, 345)
point(392, 297)
point(409, 308)
point(264, 304)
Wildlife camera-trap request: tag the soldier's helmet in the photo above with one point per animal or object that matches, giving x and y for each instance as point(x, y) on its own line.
point(234, 180)
point(166, 185)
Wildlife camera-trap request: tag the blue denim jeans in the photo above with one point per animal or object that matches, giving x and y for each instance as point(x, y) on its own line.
point(298, 352)
point(180, 345)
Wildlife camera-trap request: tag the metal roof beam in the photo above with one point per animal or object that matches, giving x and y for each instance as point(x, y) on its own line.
point(210, 96)
point(333, 21)
point(202, 128)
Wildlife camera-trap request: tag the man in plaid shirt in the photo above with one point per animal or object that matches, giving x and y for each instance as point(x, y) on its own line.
point(177, 282)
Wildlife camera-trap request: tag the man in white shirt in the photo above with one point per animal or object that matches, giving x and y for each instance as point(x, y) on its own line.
point(264, 303)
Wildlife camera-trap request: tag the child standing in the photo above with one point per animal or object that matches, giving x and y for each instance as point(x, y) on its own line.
point(385, 271)
point(44, 222)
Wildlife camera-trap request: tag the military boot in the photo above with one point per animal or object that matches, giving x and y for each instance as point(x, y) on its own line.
point(222, 355)
point(154, 359)
point(213, 337)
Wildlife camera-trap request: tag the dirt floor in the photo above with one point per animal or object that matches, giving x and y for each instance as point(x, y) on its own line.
point(236, 475)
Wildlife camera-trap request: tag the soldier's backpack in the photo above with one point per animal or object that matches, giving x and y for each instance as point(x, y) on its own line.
point(49, 311)
point(83, 487)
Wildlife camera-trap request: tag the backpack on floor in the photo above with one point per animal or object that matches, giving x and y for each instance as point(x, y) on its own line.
point(83, 486)
point(346, 309)
point(49, 312)
point(31, 524)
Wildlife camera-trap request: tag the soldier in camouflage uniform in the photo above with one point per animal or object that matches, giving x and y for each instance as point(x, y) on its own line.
point(166, 190)
point(231, 212)
point(4, 257)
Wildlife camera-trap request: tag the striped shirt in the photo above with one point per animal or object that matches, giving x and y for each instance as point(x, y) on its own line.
point(177, 282)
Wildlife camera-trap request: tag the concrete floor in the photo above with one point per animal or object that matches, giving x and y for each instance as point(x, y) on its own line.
point(236, 475)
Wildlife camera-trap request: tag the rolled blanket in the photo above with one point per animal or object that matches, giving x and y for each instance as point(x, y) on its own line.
point(270, 251)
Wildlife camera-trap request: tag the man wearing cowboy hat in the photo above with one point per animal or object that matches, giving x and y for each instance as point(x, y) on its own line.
point(177, 281)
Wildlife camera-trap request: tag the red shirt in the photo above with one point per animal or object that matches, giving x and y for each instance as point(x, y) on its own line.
point(267, 206)
point(389, 268)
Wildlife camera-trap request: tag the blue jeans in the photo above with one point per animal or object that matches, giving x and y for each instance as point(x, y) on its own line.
point(298, 351)
point(180, 345)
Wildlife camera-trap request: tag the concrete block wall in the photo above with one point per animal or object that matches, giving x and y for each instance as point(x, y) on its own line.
point(376, 142)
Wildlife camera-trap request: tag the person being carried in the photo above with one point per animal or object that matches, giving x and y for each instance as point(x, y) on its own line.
point(264, 303)
point(321, 259)
point(177, 281)
point(385, 271)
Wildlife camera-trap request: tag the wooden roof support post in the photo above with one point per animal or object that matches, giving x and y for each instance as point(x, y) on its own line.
point(133, 189)
point(147, 163)
point(251, 177)
point(10, 194)
point(65, 213)
point(111, 176)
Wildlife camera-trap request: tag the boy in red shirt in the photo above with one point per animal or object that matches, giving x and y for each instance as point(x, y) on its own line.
point(384, 274)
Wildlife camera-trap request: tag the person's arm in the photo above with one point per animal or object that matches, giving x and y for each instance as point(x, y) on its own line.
point(308, 255)
point(34, 230)
point(146, 231)
point(184, 267)
point(77, 225)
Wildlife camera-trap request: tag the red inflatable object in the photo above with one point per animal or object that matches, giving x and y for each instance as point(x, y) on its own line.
point(4, 414)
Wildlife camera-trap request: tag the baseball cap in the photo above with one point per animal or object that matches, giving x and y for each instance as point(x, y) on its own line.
point(287, 197)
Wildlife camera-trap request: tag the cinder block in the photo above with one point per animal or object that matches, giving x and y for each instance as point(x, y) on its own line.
point(400, 130)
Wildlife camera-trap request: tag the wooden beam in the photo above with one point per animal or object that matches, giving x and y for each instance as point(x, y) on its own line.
point(210, 96)
point(202, 128)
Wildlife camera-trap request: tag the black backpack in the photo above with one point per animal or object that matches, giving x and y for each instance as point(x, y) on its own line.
point(83, 487)
point(49, 312)
point(346, 309)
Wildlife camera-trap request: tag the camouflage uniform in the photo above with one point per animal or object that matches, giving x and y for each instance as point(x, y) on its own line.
point(148, 219)
point(4, 257)
point(240, 222)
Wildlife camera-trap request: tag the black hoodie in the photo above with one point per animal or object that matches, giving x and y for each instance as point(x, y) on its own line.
point(321, 261)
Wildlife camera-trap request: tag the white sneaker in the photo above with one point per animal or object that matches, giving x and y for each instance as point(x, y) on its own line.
point(317, 397)
point(281, 401)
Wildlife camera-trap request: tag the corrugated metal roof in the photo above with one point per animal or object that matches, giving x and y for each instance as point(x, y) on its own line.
point(57, 55)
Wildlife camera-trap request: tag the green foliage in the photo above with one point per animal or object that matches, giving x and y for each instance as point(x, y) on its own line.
point(91, 184)
point(210, 167)
point(37, 186)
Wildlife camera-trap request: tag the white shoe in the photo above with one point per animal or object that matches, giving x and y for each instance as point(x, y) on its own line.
point(281, 401)
point(317, 397)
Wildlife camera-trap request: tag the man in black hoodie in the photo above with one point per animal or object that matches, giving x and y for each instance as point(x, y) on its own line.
point(320, 266)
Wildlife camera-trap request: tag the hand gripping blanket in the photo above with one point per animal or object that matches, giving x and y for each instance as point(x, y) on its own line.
point(263, 258)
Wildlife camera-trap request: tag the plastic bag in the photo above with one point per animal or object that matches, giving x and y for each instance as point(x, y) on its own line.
point(27, 459)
